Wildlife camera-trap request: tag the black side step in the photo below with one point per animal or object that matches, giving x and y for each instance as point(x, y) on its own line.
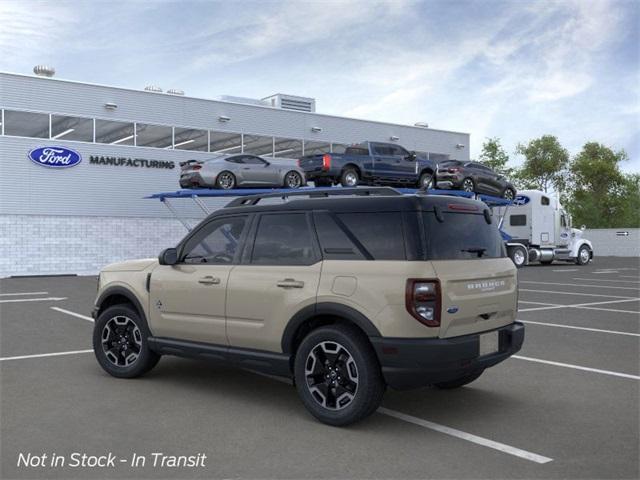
point(268, 362)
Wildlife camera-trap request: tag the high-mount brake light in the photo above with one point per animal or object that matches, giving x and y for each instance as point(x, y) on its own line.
point(460, 207)
point(326, 161)
point(423, 301)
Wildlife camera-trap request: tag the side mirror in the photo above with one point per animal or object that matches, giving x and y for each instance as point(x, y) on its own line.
point(412, 156)
point(583, 228)
point(169, 256)
point(266, 164)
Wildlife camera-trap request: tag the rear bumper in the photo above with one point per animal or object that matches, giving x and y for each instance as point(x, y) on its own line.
point(190, 180)
point(416, 362)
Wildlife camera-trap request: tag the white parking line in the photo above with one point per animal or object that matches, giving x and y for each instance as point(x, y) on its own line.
point(633, 312)
point(469, 437)
point(442, 429)
point(588, 306)
point(604, 280)
point(577, 367)
point(41, 355)
point(628, 276)
point(541, 303)
point(567, 270)
point(574, 293)
point(23, 293)
point(582, 285)
point(73, 314)
point(605, 272)
point(47, 299)
point(597, 330)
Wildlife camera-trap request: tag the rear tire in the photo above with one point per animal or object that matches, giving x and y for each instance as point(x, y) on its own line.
point(120, 342)
point(337, 375)
point(292, 180)
point(468, 185)
point(349, 178)
point(226, 180)
point(459, 382)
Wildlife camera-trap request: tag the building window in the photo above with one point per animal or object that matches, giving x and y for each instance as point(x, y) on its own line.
point(287, 148)
point(157, 136)
point(71, 128)
point(258, 145)
point(190, 139)
point(114, 133)
point(315, 148)
point(225, 142)
point(26, 124)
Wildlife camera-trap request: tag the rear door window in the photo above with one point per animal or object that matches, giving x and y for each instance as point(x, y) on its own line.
point(462, 236)
point(284, 239)
point(379, 234)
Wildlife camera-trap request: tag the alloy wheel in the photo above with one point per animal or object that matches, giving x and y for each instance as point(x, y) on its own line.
point(351, 179)
point(508, 194)
point(121, 341)
point(293, 180)
point(467, 185)
point(226, 181)
point(331, 375)
point(584, 255)
point(518, 257)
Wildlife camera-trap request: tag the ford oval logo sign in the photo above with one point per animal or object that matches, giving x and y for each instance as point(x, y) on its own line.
point(55, 157)
point(521, 200)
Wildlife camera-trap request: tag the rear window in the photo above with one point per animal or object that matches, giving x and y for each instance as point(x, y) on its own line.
point(356, 151)
point(462, 236)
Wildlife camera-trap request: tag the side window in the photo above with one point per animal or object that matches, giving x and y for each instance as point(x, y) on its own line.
point(251, 160)
point(334, 242)
point(399, 151)
point(518, 220)
point(380, 234)
point(544, 201)
point(235, 160)
point(215, 243)
point(563, 220)
point(382, 150)
point(283, 239)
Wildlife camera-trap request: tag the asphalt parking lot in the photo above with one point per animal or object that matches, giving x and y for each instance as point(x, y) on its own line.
point(566, 407)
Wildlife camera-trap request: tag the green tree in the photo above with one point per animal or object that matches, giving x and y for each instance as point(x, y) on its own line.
point(494, 156)
point(600, 195)
point(544, 165)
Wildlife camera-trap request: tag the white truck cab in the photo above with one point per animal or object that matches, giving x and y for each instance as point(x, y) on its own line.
point(540, 230)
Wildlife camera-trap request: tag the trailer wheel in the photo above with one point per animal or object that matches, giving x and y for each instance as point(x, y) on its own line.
point(518, 256)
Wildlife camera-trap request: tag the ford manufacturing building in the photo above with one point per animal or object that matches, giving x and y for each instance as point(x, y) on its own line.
point(129, 144)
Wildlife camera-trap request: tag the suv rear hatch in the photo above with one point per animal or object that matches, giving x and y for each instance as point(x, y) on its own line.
point(478, 283)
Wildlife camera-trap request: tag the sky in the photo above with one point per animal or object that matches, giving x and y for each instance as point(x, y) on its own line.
point(509, 69)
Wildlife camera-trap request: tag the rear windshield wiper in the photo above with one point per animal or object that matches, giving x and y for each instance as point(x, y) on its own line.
point(479, 250)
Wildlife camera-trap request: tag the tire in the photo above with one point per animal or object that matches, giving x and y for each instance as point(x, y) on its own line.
point(323, 182)
point(348, 388)
point(292, 180)
point(584, 255)
point(426, 181)
point(118, 361)
point(226, 180)
point(459, 382)
point(349, 177)
point(508, 194)
point(518, 256)
point(468, 185)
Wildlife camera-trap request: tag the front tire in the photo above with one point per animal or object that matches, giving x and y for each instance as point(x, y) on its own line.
point(337, 375)
point(226, 180)
point(518, 256)
point(120, 342)
point(459, 382)
point(349, 178)
point(584, 255)
point(292, 180)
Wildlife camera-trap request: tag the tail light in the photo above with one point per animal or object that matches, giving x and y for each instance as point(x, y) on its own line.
point(423, 301)
point(326, 161)
point(299, 162)
point(453, 170)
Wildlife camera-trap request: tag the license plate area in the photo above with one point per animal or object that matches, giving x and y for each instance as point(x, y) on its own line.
point(489, 343)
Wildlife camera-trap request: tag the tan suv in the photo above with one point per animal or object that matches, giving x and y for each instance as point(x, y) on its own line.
point(348, 294)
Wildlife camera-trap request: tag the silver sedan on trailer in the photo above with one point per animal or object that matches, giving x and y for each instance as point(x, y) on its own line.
point(241, 170)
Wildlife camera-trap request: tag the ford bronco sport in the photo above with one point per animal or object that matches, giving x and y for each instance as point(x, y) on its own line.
point(346, 295)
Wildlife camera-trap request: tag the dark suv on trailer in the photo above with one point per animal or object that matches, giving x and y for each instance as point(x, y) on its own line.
point(473, 177)
point(345, 295)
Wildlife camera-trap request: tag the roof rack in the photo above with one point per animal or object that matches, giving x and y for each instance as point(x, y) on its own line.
point(314, 193)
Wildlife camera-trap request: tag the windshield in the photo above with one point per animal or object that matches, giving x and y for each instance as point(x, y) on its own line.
point(462, 236)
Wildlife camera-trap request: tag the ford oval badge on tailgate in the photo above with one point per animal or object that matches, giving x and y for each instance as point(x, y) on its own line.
point(55, 157)
point(452, 310)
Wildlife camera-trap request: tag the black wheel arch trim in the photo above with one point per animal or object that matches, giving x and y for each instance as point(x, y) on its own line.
point(121, 291)
point(328, 309)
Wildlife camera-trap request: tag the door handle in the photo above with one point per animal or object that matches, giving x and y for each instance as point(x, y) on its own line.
point(209, 280)
point(290, 283)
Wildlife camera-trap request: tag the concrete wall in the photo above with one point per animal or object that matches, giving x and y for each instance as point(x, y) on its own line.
point(608, 242)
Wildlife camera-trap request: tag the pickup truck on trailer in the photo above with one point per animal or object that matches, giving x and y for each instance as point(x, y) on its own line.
point(369, 163)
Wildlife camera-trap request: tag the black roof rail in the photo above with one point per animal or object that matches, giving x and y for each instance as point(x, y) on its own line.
point(316, 193)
